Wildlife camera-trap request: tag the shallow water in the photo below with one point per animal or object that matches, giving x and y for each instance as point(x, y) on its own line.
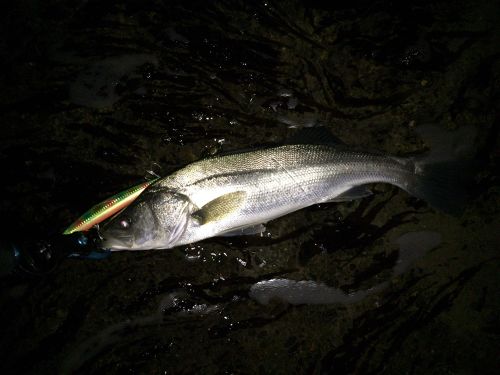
point(97, 97)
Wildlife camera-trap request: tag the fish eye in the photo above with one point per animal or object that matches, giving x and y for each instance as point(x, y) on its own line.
point(125, 223)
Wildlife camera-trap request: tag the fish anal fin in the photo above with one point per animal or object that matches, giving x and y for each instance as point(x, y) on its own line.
point(356, 192)
point(220, 207)
point(245, 231)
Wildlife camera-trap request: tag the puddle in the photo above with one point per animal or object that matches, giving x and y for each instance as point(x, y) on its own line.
point(412, 246)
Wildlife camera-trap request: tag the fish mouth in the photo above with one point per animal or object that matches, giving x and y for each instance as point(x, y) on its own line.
point(117, 241)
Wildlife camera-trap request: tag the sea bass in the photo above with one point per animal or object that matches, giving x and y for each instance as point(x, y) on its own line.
point(237, 193)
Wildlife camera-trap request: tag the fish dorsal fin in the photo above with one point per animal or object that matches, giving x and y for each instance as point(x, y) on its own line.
point(241, 150)
point(318, 135)
point(220, 207)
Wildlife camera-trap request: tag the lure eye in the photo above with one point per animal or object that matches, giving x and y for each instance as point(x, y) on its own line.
point(125, 223)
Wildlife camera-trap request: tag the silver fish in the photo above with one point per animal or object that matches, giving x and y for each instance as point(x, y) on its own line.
point(237, 193)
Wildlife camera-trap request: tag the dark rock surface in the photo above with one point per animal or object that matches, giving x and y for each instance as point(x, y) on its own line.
point(95, 94)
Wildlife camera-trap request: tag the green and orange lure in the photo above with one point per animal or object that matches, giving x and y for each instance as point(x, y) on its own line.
point(107, 208)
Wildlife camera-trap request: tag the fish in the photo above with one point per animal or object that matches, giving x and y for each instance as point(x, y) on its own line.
point(239, 192)
point(107, 208)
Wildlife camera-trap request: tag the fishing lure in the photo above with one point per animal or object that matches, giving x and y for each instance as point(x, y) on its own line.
point(107, 208)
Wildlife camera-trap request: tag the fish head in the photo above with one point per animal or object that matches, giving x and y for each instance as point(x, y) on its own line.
point(155, 220)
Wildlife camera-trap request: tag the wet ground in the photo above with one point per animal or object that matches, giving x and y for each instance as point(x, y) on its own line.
point(96, 96)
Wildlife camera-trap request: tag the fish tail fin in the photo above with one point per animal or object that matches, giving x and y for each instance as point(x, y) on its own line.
point(440, 185)
point(440, 177)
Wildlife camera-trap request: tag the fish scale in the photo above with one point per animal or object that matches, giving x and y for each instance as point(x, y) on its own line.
point(282, 180)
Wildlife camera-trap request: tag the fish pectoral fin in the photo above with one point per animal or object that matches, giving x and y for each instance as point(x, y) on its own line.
point(356, 192)
point(245, 231)
point(220, 207)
